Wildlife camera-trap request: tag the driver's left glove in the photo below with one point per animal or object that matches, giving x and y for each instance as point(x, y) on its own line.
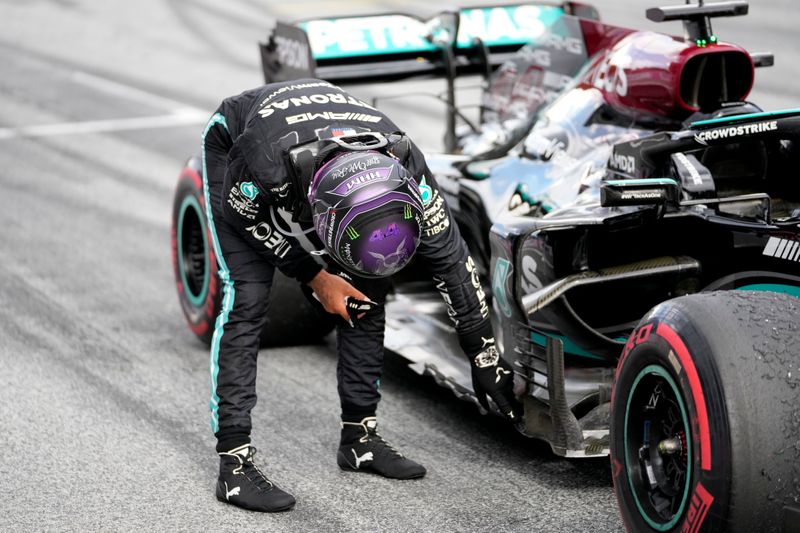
point(493, 376)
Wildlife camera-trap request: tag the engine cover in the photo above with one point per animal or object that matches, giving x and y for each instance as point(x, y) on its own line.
point(648, 75)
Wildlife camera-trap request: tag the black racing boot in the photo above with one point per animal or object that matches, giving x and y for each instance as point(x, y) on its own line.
point(362, 449)
point(241, 483)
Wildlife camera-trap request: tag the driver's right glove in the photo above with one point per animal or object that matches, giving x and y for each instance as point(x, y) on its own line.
point(493, 376)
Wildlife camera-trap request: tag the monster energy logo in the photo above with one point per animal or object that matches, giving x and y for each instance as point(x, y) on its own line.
point(353, 234)
point(407, 214)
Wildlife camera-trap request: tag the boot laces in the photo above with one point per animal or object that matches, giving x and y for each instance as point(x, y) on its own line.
point(373, 437)
point(253, 473)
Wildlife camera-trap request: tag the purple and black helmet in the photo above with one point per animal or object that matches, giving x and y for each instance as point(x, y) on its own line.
point(367, 211)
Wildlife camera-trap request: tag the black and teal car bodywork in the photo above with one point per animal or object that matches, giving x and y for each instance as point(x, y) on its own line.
point(611, 170)
point(713, 207)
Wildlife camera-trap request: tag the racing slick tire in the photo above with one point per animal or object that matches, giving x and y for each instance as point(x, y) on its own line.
point(705, 429)
point(291, 318)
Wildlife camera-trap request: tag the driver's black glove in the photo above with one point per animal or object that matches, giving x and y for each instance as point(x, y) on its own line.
point(493, 376)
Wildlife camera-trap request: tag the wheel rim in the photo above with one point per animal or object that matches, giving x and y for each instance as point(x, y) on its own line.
point(193, 251)
point(658, 448)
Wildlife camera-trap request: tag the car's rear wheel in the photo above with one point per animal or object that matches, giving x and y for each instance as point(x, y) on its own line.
point(291, 319)
point(705, 432)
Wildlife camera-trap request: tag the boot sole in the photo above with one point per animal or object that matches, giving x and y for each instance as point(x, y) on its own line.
point(260, 510)
point(345, 465)
point(221, 497)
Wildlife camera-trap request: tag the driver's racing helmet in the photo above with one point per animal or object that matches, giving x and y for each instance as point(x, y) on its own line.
point(367, 211)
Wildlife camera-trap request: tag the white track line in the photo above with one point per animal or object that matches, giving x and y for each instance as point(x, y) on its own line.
point(180, 114)
point(129, 93)
point(181, 117)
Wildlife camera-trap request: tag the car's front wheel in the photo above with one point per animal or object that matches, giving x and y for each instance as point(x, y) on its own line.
point(705, 431)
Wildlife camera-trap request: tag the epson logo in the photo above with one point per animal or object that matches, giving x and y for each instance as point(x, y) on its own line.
point(624, 163)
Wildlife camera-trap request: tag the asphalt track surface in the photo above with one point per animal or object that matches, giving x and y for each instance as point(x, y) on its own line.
point(104, 391)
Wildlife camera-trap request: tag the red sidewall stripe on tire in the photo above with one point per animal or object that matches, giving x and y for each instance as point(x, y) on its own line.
point(677, 345)
point(192, 173)
point(202, 327)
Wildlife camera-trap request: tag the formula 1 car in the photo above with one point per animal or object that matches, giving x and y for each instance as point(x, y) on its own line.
point(636, 223)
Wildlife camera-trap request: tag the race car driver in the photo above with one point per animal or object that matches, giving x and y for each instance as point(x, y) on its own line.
point(317, 152)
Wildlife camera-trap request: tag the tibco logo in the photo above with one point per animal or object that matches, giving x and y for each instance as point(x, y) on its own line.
point(273, 241)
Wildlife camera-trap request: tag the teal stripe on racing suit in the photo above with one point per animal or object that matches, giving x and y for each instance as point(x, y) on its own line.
point(229, 291)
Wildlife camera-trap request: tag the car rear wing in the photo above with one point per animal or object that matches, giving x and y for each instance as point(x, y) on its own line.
point(397, 45)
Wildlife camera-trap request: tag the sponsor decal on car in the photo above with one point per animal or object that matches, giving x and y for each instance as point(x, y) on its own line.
point(502, 271)
point(554, 41)
point(623, 163)
point(292, 53)
point(537, 56)
point(697, 179)
point(530, 280)
point(393, 34)
point(504, 25)
point(735, 131)
point(611, 79)
point(676, 365)
point(698, 509)
point(783, 249)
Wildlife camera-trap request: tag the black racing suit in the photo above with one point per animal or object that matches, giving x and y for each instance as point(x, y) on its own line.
point(245, 177)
